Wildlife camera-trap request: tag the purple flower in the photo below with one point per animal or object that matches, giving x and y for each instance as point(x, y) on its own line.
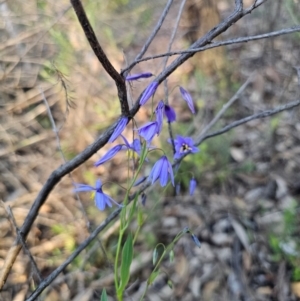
point(184, 145)
point(193, 185)
point(118, 129)
point(101, 199)
point(148, 131)
point(110, 154)
point(135, 145)
point(170, 113)
point(138, 76)
point(188, 98)
point(160, 170)
point(159, 116)
point(149, 91)
point(196, 240)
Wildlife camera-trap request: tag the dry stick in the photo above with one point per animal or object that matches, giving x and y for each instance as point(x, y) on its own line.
point(58, 144)
point(153, 34)
point(65, 169)
point(29, 47)
point(226, 106)
point(164, 67)
point(219, 44)
point(236, 123)
point(116, 213)
point(24, 244)
point(94, 43)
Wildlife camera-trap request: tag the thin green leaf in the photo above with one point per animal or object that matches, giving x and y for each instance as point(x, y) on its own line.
point(157, 253)
point(153, 277)
point(103, 295)
point(127, 254)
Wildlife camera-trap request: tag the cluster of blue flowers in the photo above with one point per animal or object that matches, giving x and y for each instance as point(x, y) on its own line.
point(162, 169)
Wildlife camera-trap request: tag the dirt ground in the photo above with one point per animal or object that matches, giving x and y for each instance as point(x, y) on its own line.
point(245, 210)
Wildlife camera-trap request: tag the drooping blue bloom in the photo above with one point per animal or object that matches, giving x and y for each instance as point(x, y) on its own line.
point(193, 185)
point(110, 154)
point(184, 145)
point(188, 98)
point(196, 240)
point(170, 113)
point(148, 131)
point(135, 145)
point(138, 76)
point(160, 170)
point(159, 116)
point(101, 199)
point(118, 129)
point(149, 91)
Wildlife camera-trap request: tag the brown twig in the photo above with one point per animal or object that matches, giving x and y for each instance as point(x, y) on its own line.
point(94, 43)
point(219, 44)
point(37, 274)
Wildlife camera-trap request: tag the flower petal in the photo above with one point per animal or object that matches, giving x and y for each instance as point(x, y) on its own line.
point(193, 185)
point(170, 169)
point(155, 172)
point(110, 154)
point(149, 91)
point(188, 98)
point(119, 129)
point(159, 116)
point(83, 188)
point(138, 76)
point(170, 113)
point(148, 131)
point(100, 201)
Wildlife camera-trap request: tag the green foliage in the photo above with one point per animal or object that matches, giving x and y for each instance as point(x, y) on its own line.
point(127, 255)
point(286, 244)
point(103, 295)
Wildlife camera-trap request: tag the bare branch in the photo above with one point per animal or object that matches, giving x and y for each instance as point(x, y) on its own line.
point(226, 106)
point(153, 34)
point(109, 68)
point(37, 274)
point(222, 43)
point(263, 114)
point(165, 64)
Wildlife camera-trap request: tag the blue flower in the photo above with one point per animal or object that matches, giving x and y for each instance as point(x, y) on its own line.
point(188, 98)
point(193, 185)
point(138, 76)
point(160, 170)
point(159, 116)
point(184, 145)
point(101, 199)
point(170, 113)
point(110, 154)
point(196, 240)
point(118, 129)
point(149, 91)
point(135, 145)
point(148, 131)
